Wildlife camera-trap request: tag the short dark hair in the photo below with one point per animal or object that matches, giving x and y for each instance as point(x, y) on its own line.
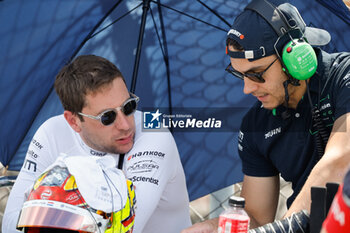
point(234, 43)
point(86, 74)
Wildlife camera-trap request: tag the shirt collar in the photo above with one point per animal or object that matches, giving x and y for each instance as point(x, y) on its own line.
point(315, 79)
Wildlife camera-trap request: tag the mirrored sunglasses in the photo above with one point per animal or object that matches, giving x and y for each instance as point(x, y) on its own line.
point(108, 116)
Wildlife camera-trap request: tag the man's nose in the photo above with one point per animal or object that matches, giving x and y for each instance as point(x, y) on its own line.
point(249, 86)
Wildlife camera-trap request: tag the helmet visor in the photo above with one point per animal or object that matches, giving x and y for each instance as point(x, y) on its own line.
point(53, 214)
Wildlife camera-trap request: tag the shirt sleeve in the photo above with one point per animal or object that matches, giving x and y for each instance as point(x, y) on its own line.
point(253, 162)
point(34, 164)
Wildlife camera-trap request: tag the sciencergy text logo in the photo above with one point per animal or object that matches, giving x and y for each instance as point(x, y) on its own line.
point(236, 33)
point(157, 120)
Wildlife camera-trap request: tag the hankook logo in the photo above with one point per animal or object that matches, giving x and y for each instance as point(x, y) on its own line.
point(156, 154)
point(37, 144)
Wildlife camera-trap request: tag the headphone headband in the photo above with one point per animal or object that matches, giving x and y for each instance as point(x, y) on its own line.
point(272, 15)
point(294, 66)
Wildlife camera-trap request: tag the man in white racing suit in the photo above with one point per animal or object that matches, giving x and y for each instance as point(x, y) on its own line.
point(98, 120)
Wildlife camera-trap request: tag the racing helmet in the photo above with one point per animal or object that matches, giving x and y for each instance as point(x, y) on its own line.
point(56, 205)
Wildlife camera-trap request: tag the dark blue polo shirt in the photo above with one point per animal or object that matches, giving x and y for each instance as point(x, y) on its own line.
point(270, 144)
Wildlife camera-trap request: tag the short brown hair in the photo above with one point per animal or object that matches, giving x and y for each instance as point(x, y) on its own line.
point(86, 74)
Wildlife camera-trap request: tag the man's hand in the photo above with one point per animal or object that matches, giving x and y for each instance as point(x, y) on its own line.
point(208, 226)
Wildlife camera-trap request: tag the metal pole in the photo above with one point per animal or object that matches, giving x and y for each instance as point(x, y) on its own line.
point(145, 8)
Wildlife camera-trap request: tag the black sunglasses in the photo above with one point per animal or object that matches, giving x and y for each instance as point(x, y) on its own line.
point(108, 117)
point(255, 77)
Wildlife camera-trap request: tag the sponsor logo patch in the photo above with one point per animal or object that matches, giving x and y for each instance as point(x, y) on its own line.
point(156, 154)
point(28, 165)
point(32, 154)
point(236, 33)
point(37, 144)
point(273, 132)
point(97, 153)
point(145, 179)
point(143, 166)
point(46, 194)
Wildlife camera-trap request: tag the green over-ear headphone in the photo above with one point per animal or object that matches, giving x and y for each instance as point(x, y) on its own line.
point(297, 57)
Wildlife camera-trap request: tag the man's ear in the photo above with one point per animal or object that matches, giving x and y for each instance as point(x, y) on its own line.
point(73, 120)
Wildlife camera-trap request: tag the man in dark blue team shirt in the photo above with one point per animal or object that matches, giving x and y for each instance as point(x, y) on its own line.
point(300, 126)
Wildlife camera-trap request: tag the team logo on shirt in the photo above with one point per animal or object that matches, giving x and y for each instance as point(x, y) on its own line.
point(29, 165)
point(32, 153)
point(273, 132)
point(97, 153)
point(143, 166)
point(149, 153)
point(324, 106)
point(145, 179)
point(37, 144)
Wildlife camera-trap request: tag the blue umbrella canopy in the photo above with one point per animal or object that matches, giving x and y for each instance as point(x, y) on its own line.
point(172, 54)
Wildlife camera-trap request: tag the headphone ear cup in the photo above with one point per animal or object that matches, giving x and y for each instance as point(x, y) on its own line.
point(300, 59)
